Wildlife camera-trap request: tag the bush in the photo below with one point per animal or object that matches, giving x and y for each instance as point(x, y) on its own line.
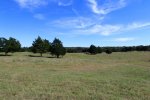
point(108, 51)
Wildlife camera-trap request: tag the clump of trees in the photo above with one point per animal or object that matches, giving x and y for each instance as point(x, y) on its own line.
point(76, 49)
point(9, 45)
point(42, 46)
point(113, 49)
point(99, 50)
point(93, 50)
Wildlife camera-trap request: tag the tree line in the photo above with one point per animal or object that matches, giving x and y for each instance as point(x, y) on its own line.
point(57, 49)
point(39, 45)
point(94, 50)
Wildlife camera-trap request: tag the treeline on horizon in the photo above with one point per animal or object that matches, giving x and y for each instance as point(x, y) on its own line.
point(99, 49)
point(112, 49)
point(40, 45)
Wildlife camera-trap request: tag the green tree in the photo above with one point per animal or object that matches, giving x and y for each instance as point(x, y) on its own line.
point(99, 49)
point(57, 48)
point(10, 45)
point(40, 46)
point(63, 52)
point(92, 49)
point(47, 45)
point(108, 51)
point(2, 44)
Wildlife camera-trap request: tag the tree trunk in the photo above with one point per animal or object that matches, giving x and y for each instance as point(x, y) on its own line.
point(41, 54)
point(5, 53)
point(57, 56)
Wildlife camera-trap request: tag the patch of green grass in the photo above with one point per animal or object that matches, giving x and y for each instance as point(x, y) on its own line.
point(119, 76)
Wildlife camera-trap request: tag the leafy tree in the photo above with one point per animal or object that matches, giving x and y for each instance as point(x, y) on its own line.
point(10, 45)
point(47, 45)
point(108, 51)
point(63, 52)
point(40, 46)
point(92, 49)
point(2, 44)
point(57, 48)
point(99, 49)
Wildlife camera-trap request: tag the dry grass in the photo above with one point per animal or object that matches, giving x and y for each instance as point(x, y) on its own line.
point(121, 76)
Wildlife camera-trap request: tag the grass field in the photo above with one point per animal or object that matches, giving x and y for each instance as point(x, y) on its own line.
point(119, 76)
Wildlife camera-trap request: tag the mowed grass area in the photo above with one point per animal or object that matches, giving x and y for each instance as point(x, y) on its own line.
point(119, 76)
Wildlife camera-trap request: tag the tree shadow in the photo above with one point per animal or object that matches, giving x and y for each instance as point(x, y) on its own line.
point(34, 56)
point(40, 56)
point(51, 57)
point(5, 55)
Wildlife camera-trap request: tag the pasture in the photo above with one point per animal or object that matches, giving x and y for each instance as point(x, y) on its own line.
point(119, 76)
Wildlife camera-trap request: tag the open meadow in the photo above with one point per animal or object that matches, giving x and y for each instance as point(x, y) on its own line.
point(118, 76)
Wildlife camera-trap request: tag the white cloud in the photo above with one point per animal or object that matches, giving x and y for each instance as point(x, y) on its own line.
point(101, 29)
point(107, 29)
point(73, 23)
point(65, 2)
point(107, 7)
point(31, 3)
point(37, 3)
point(39, 16)
point(87, 26)
point(127, 39)
point(137, 25)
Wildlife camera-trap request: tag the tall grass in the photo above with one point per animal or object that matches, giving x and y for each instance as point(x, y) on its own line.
point(119, 76)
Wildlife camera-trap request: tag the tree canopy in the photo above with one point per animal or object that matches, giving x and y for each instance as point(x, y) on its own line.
point(108, 51)
point(10, 45)
point(57, 48)
point(93, 49)
point(40, 46)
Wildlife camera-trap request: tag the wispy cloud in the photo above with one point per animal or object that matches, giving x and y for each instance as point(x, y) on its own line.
point(126, 39)
point(37, 3)
point(31, 3)
point(39, 16)
point(65, 2)
point(86, 25)
point(107, 7)
point(137, 25)
point(106, 29)
point(73, 23)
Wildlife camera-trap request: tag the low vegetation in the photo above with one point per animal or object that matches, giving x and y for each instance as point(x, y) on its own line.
point(78, 76)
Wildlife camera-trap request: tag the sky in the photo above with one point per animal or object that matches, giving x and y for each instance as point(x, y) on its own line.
point(77, 23)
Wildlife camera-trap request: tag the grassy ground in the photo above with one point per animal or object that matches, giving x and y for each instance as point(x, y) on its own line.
point(119, 76)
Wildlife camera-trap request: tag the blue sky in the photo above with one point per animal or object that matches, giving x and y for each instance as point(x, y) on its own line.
point(77, 22)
